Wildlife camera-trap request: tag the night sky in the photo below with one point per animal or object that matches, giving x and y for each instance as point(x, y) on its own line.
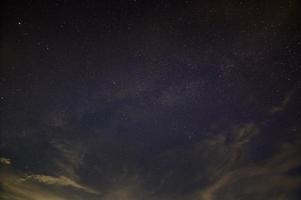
point(150, 100)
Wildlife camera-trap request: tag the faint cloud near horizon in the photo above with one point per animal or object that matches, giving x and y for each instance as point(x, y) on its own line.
point(5, 161)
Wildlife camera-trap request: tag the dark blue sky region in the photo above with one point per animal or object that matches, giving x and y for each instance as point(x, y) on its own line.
point(152, 100)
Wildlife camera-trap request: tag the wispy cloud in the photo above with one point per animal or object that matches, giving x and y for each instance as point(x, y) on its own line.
point(265, 179)
point(58, 181)
point(17, 185)
point(14, 189)
point(283, 105)
point(286, 100)
point(68, 158)
point(5, 161)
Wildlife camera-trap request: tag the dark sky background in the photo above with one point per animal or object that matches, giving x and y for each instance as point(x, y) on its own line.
point(152, 100)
